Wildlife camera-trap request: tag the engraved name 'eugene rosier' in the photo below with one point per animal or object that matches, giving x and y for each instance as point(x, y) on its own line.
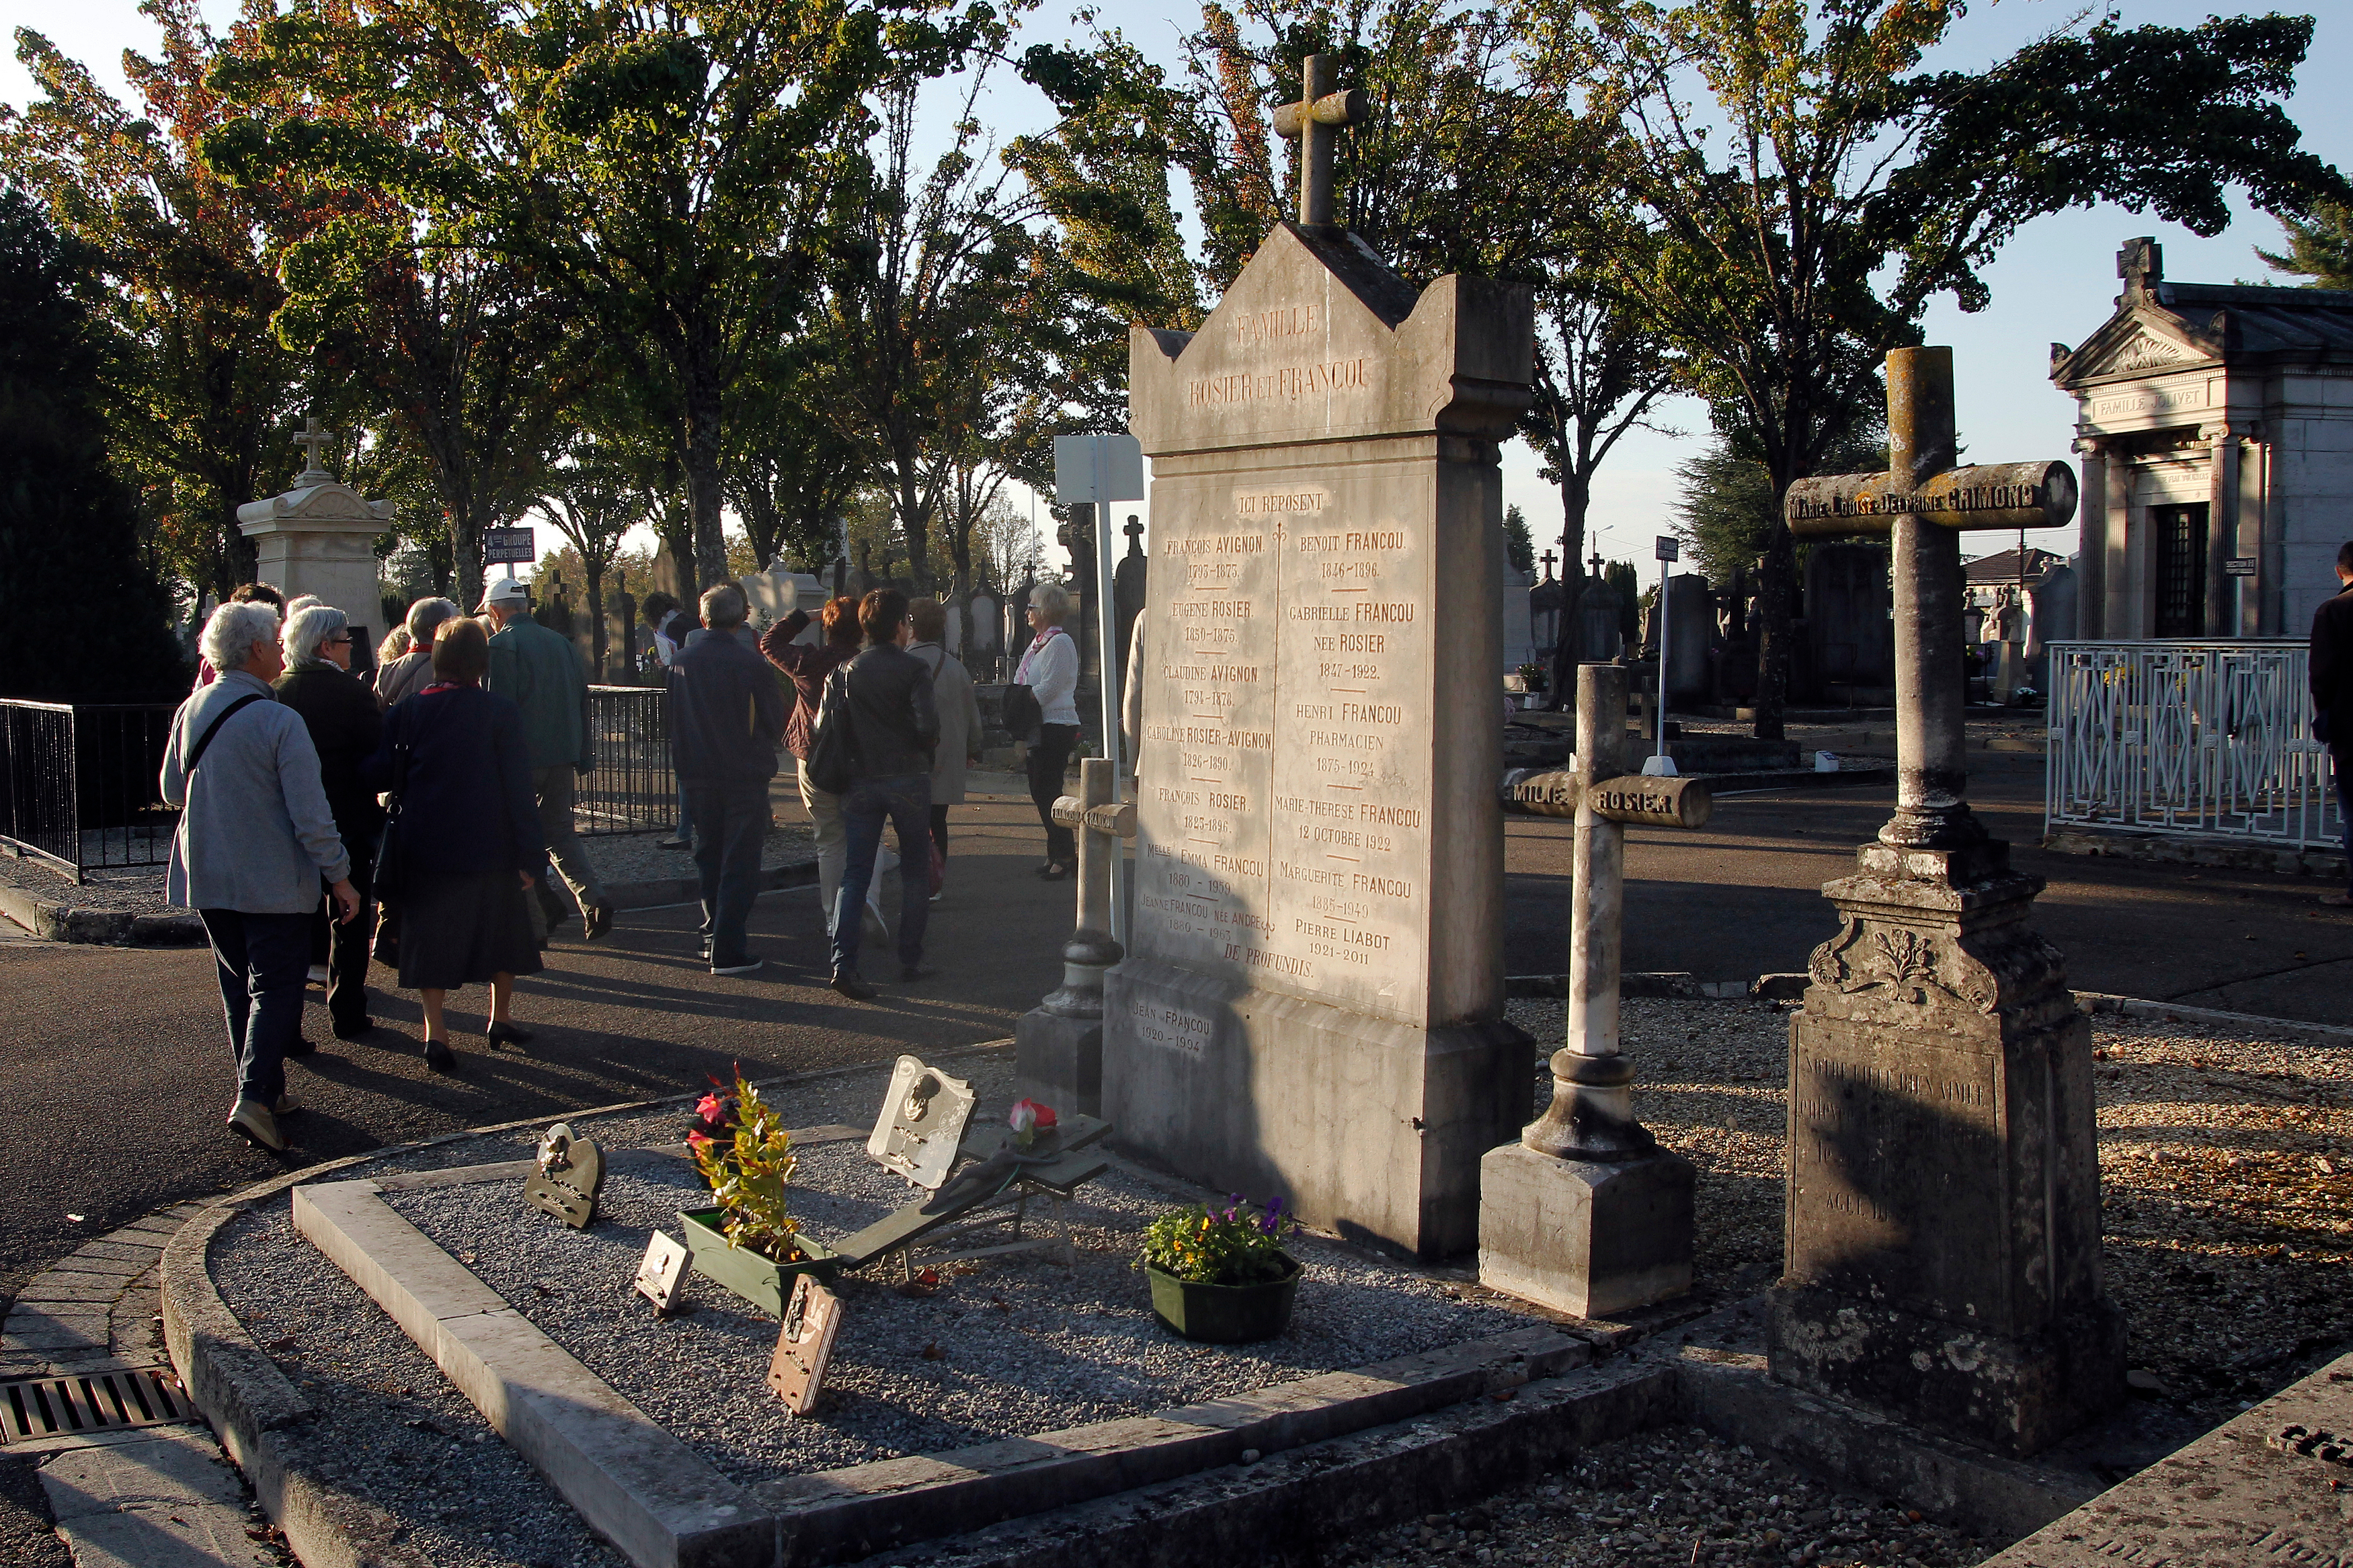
point(1285, 828)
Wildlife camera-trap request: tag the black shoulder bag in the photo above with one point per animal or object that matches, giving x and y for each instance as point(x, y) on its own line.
point(205, 740)
point(833, 750)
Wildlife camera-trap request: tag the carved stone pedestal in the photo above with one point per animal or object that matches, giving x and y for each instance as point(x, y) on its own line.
point(1944, 1207)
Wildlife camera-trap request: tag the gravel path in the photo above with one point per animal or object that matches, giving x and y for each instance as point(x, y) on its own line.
point(632, 858)
point(138, 889)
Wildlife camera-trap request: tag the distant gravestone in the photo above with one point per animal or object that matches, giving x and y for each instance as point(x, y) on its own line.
point(1690, 627)
point(1313, 1003)
point(777, 592)
point(318, 537)
point(1850, 615)
point(1600, 616)
point(1519, 633)
point(2051, 611)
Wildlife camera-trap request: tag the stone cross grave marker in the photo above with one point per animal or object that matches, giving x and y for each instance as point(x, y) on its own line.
point(1058, 1044)
point(571, 1172)
point(1942, 1252)
point(1316, 948)
point(805, 1345)
point(1586, 1214)
point(1313, 122)
point(922, 1123)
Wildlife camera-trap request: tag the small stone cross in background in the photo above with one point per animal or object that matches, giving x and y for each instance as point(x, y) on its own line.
point(314, 440)
point(1547, 558)
point(1311, 122)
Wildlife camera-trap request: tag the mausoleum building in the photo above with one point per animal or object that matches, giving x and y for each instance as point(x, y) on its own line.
point(2215, 422)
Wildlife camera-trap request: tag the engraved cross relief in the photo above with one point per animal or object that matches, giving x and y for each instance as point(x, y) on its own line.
point(1312, 122)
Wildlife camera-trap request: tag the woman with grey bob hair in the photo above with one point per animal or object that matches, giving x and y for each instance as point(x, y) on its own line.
point(308, 638)
point(1050, 670)
point(344, 724)
point(413, 672)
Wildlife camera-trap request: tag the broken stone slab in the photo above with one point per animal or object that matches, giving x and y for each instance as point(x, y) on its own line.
point(2244, 1493)
point(167, 1500)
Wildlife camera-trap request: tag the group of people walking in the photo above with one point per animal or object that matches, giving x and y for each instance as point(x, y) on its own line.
point(435, 807)
point(429, 806)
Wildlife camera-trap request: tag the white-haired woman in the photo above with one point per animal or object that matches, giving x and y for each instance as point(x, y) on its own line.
point(413, 672)
point(1050, 670)
point(256, 835)
point(344, 724)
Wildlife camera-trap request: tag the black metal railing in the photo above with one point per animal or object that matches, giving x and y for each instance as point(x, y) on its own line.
point(78, 784)
point(632, 788)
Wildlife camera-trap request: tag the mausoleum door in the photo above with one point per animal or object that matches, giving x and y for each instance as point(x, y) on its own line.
point(2179, 536)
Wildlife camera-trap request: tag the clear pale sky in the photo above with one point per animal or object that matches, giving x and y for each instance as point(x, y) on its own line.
point(2056, 281)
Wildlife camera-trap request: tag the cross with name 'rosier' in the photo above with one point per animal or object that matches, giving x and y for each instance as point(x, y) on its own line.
point(1312, 122)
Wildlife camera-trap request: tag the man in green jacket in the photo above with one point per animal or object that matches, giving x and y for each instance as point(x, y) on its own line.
point(539, 672)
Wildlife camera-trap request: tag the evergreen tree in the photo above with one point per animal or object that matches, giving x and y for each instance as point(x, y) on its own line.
point(2319, 246)
point(81, 619)
point(1519, 548)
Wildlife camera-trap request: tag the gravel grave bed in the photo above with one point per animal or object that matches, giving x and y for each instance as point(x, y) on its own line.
point(136, 890)
point(633, 858)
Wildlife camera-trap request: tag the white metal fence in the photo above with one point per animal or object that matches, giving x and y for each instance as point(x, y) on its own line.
point(2204, 737)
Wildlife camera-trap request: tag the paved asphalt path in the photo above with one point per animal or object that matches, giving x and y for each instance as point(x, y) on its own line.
point(113, 1071)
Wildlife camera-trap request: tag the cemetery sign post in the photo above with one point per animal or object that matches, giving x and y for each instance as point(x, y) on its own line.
point(1942, 1252)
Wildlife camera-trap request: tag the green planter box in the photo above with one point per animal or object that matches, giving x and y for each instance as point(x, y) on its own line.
point(1224, 1314)
point(762, 1282)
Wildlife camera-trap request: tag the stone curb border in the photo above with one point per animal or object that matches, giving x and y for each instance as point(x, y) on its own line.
point(1676, 984)
point(255, 1412)
point(1284, 1506)
point(2174, 849)
point(2099, 1004)
point(53, 921)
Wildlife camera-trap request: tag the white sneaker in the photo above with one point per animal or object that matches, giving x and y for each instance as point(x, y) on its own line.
point(749, 966)
point(252, 1119)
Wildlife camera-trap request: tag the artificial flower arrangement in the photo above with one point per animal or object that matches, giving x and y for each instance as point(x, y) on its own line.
point(745, 1155)
point(1028, 1119)
point(1232, 1246)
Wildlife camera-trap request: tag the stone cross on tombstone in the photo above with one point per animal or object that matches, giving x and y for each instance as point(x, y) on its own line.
point(1547, 558)
point(1942, 1252)
point(314, 440)
point(1313, 122)
point(1586, 1214)
point(1058, 1044)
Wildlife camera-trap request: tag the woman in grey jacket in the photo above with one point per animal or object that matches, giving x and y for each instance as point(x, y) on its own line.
point(255, 839)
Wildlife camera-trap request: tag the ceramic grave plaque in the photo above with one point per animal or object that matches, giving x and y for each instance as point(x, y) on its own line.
point(661, 1278)
point(571, 1170)
point(923, 1122)
point(805, 1345)
point(1312, 1005)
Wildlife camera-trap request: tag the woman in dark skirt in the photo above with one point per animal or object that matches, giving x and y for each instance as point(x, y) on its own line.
point(467, 840)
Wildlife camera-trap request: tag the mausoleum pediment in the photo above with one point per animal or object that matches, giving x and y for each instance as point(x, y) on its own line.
point(1319, 339)
point(2136, 343)
point(331, 502)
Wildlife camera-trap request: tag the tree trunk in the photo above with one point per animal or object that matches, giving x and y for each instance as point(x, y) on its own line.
point(762, 521)
point(707, 564)
point(596, 638)
point(1576, 501)
point(1776, 607)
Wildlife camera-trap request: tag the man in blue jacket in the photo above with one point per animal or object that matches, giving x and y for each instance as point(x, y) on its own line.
point(726, 724)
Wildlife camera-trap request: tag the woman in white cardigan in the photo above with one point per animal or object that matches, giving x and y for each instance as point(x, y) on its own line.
point(1050, 670)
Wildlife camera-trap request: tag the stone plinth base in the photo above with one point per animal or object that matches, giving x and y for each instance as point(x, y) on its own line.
point(1058, 1062)
point(2015, 1394)
point(1581, 1237)
point(1364, 1126)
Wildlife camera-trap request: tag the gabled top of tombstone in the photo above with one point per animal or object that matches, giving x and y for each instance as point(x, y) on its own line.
point(1318, 340)
point(317, 496)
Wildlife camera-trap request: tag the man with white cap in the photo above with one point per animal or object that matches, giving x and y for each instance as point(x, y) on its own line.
point(539, 672)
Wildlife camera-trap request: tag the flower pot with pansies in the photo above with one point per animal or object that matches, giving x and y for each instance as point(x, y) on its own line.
point(1220, 1275)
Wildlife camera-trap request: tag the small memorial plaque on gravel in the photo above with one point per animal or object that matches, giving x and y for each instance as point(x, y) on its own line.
point(661, 1278)
point(812, 1319)
point(570, 1172)
point(922, 1126)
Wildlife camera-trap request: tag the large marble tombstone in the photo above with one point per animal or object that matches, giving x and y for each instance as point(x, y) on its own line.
point(1850, 616)
point(1519, 628)
point(775, 593)
point(318, 537)
point(1691, 628)
point(1600, 623)
point(1313, 1003)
